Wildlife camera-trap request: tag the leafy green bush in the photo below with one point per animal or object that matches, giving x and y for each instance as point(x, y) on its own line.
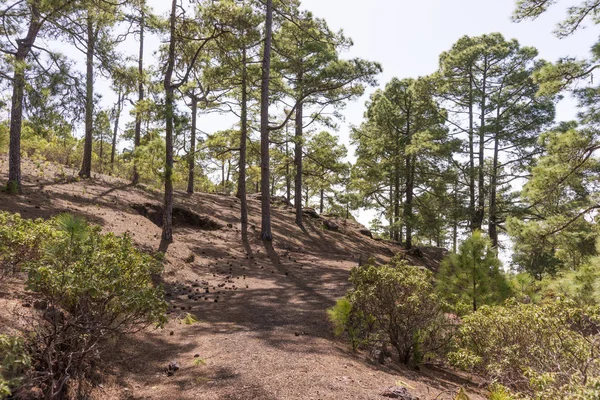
point(21, 240)
point(345, 319)
point(550, 350)
point(93, 287)
point(400, 305)
point(14, 362)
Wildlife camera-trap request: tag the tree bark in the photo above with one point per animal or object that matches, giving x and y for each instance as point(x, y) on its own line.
point(192, 154)
point(86, 166)
point(138, 117)
point(492, 227)
point(481, 172)
point(243, 144)
point(266, 233)
point(397, 195)
point(471, 153)
point(16, 109)
point(298, 139)
point(321, 201)
point(408, 204)
point(115, 131)
point(167, 232)
point(410, 176)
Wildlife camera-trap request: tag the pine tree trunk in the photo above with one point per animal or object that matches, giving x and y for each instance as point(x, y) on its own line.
point(86, 166)
point(266, 233)
point(481, 182)
point(298, 139)
point(321, 201)
point(493, 228)
point(410, 176)
point(471, 153)
point(397, 194)
point(138, 117)
point(288, 179)
point(115, 131)
point(408, 204)
point(16, 109)
point(192, 154)
point(167, 232)
point(243, 143)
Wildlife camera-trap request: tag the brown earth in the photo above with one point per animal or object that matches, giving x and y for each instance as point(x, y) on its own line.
point(263, 331)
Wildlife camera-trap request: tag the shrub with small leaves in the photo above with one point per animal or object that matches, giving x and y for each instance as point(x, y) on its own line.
point(22, 240)
point(14, 363)
point(94, 287)
point(547, 351)
point(400, 303)
point(347, 320)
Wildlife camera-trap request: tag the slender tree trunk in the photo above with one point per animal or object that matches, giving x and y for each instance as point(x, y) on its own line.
point(288, 179)
point(455, 218)
point(223, 175)
point(272, 185)
point(481, 172)
point(16, 109)
point(471, 153)
point(138, 116)
point(321, 201)
point(86, 166)
point(266, 233)
point(493, 228)
point(243, 144)
point(167, 232)
point(410, 177)
point(298, 139)
point(408, 204)
point(397, 195)
point(390, 212)
point(116, 131)
point(192, 155)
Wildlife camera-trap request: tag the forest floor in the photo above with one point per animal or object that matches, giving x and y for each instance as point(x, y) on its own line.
point(263, 331)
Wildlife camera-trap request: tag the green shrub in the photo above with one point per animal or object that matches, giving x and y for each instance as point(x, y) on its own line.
point(400, 305)
point(94, 287)
point(533, 349)
point(346, 320)
point(21, 240)
point(14, 363)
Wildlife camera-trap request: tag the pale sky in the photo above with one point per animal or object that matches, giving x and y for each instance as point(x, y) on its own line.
point(406, 37)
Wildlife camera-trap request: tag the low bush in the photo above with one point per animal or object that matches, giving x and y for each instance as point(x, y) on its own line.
point(21, 241)
point(393, 304)
point(93, 288)
point(548, 351)
point(14, 363)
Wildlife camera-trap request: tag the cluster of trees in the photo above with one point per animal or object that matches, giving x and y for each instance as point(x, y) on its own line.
point(274, 67)
point(472, 147)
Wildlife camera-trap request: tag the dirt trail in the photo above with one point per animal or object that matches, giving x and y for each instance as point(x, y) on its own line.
point(262, 330)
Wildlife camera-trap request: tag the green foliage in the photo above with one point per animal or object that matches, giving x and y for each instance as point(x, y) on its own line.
point(560, 233)
point(472, 277)
point(345, 319)
point(21, 241)
point(534, 349)
point(398, 302)
point(14, 363)
point(94, 286)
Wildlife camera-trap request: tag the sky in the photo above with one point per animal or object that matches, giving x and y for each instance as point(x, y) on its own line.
point(406, 37)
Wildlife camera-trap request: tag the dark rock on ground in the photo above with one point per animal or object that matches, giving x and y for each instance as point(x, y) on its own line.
point(331, 225)
point(398, 392)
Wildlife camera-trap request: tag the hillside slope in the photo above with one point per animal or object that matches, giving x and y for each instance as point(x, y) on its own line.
point(262, 330)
